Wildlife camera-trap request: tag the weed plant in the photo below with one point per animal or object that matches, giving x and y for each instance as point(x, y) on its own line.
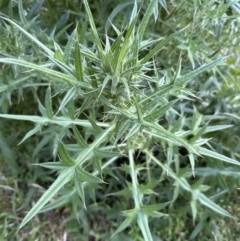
point(129, 112)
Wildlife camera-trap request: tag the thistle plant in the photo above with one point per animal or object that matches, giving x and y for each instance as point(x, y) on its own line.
point(116, 126)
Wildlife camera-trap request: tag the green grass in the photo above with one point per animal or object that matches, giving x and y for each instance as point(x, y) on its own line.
point(119, 121)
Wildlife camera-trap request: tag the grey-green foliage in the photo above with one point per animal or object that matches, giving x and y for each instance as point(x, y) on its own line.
point(115, 109)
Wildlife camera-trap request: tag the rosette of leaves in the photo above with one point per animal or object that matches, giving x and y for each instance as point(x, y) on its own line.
point(113, 105)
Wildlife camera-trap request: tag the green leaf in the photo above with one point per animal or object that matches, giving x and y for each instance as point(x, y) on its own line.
point(57, 203)
point(105, 154)
point(7, 154)
point(142, 220)
point(93, 27)
point(192, 162)
point(48, 103)
point(127, 89)
point(183, 80)
point(158, 47)
point(71, 109)
point(35, 9)
point(179, 180)
point(64, 78)
point(36, 129)
point(159, 92)
point(53, 165)
point(78, 63)
point(66, 159)
point(193, 205)
point(125, 47)
point(135, 129)
point(88, 152)
point(154, 207)
point(200, 132)
point(163, 4)
point(62, 121)
point(215, 155)
point(158, 113)
point(145, 20)
point(62, 179)
point(46, 49)
point(68, 48)
point(79, 138)
point(168, 136)
point(94, 125)
point(80, 189)
point(84, 176)
point(122, 128)
point(210, 204)
point(126, 223)
point(139, 110)
point(216, 128)
point(58, 55)
point(133, 13)
point(236, 7)
point(21, 13)
point(67, 98)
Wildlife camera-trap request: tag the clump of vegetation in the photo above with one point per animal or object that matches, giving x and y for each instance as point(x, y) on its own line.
point(118, 114)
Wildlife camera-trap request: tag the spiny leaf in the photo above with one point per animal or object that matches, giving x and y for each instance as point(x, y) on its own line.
point(168, 136)
point(125, 47)
point(68, 97)
point(135, 129)
point(85, 154)
point(163, 4)
point(158, 113)
point(79, 187)
point(94, 29)
point(34, 10)
point(78, 63)
point(122, 127)
point(139, 110)
point(62, 179)
point(134, 13)
point(127, 222)
point(46, 49)
point(142, 220)
point(62, 121)
point(68, 48)
point(71, 108)
point(64, 78)
point(57, 203)
point(66, 159)
point(183, 80)
point(158, 47)
point(105, 154)
point(21, 13)
point(79, 137)
point(154, 207)
point(58, 55)
point(48, 103)
point(205, 152)
point(54, 165)
point(94, 125)
point(84, 176)
point(145, 19)
point(31, 133)
point(210, 204)
point(196, 137)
